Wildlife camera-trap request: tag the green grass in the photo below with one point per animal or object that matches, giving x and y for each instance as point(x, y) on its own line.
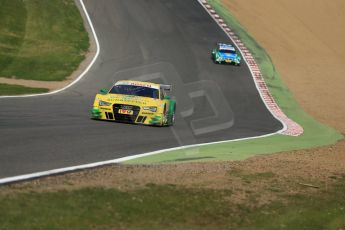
point(325, 211)
point(17, 90)
point(167, 207)
point(151, 208)
point(315, 133)
point(41, 40)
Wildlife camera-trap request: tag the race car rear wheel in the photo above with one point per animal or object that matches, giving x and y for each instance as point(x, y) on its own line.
point(213, 59)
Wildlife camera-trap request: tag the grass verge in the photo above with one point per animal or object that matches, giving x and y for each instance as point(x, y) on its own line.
point(41, 40)
point(168, 207)
point(315, 133)
point(6, 89)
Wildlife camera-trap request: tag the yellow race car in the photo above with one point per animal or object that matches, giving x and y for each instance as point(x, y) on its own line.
point(135, 102)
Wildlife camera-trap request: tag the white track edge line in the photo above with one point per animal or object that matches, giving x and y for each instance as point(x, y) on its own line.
point(119, 160)
point(250, 69)
point(114, 161)
point(81, 75)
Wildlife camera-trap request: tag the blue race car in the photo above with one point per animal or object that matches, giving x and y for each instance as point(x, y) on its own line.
point(225, 53)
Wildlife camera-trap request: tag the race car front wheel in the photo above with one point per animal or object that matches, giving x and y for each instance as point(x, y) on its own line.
point(171, 114)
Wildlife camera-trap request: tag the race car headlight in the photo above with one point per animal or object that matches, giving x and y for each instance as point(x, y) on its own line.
point(104, 103)
point(151, 108)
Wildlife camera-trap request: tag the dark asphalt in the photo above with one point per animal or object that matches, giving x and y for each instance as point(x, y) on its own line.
point(156, 40)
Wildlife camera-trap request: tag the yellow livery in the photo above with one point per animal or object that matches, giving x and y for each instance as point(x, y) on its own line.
point(135, 102)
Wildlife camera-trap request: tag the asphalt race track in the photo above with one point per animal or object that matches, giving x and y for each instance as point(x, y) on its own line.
point(164, 41)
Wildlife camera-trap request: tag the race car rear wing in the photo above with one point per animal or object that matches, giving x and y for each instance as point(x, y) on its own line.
point(166, 87)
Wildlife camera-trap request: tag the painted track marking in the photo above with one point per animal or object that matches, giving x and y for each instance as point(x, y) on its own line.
point(291, 128)
point(256, 74)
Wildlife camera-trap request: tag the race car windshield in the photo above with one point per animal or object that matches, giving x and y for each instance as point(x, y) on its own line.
point(228, 51)
point(135, 91)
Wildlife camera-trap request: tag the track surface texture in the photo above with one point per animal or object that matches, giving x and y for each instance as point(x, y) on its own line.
point(165, 41)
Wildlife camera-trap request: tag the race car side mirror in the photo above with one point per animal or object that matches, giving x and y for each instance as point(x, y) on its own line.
point(166, 97)
point(166, 87)
point(103, 91)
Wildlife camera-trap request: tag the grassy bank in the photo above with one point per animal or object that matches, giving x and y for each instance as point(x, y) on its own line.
point(315, 133)
point(41, 40)
point(6, 89)
point(168, 207)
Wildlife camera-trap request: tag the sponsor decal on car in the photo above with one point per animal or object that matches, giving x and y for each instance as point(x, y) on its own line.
point(125, 111)
point(147, 113)
point(134, 83)
point(103, 108)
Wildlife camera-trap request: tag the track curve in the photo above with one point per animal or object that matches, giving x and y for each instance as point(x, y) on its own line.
point(167, 41)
